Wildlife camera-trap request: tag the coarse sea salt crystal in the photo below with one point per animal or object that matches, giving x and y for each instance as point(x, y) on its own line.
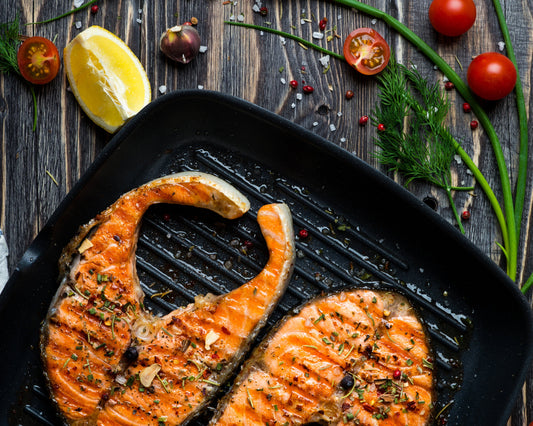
point(501, 45)
point(315, 123)
point(139, 21)
point(374, 21)
point(78, 3)
point(457, 159)
point(339, 114)
point(318, 36)
point(324, 60)
point(293, 105)
point(162, 89)
point(332, 127)
point(343, 140)
point(232, 18)
point(78, 24)
point(203, 49)
point(283, 41)
point(283, 81)
point(240, 18)
point(299, 96)
point(200, 87)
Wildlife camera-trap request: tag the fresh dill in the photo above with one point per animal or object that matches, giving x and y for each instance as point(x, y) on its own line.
point(415, 142)
point(9, 44)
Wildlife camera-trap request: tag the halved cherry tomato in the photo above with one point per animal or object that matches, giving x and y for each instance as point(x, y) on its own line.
point(38, 60)
point(366, 51)
point(491, 76)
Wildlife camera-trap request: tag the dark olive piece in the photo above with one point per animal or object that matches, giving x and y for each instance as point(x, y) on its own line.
point(131, 353)
point(347, 382)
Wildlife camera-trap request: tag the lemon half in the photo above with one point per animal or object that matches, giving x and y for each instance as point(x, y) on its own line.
point(106, 77)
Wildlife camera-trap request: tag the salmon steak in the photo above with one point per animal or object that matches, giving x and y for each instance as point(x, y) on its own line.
point(356, 357)
point(108, 360)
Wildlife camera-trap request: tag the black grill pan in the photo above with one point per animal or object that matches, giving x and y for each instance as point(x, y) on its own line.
point(364, 230)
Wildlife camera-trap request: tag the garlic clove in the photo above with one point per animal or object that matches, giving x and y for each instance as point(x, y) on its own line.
point(147, 375)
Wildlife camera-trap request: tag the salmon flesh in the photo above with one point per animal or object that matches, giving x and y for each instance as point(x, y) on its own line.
point(107, 360)
point(353, 358)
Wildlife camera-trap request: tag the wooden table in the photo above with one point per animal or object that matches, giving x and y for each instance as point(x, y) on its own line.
point(38, 168)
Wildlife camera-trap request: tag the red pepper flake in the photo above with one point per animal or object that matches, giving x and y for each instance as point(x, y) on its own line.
point(225, 330)
point(467, 107)
point(187, 23)
point(381, 127)
point(248, 244)
point(449, 85)
point(94, 9)
point(303, 233)
point(293, 84)
point(363, 120)
point(166, 217)
point(465, 215)
point(349, 94)
point(474, 124)
point(369, 408)
point(322, 24)
point(308, 89)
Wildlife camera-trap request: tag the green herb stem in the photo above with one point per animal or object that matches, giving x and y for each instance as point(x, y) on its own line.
point(290, 36)
point(527, 284)
point(32, 90)
point(70, 12)
point(521, 181)
point(462, 88)
point(454, 209)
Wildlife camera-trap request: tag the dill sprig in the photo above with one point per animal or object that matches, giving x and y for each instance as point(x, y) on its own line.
point(415, 142)
point(9, 44)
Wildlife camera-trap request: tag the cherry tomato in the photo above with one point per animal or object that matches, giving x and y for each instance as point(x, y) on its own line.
point(452, 17)
point(38, 60)
point(366, 51)
point(491, 76)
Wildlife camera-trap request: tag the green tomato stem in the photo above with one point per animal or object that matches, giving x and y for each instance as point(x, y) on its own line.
point(454, 208)
point(521, 180)
point(34, 96)
point(462, 88)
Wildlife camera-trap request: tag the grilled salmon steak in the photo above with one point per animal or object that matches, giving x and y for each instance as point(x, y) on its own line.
point(356, 357)
point(107, 360)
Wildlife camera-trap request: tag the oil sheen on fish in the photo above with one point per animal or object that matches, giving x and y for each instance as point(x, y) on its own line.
point(110, 362)
point(353, 358)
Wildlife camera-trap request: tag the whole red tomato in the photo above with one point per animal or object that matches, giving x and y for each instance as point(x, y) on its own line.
point(38, 60)
point(491, 76)
point(452, 17)
point(366, 51)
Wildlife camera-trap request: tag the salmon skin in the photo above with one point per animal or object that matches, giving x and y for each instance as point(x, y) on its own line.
point(353, 358)
point(107, 360)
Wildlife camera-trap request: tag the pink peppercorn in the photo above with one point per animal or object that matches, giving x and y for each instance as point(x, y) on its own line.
point(293, 84)
point(449, 85)
point(303, 233)
point(363, 120)
point(381, 127)
point(94, 8)
point(474, 124)
point(467, 107)
point(308, 89)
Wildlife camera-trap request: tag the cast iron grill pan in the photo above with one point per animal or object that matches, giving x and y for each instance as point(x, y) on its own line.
point(364, 231)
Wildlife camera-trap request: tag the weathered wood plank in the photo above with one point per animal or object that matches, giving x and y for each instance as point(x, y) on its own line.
point(251, 65)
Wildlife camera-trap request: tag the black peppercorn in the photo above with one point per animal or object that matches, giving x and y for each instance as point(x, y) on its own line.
point(347, 382)
point(131, 354)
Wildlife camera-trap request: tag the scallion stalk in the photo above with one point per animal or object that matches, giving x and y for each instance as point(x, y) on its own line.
point(511, 246)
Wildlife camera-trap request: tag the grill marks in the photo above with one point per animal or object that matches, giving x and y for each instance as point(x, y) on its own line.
point(97, 319)
point(298, 374)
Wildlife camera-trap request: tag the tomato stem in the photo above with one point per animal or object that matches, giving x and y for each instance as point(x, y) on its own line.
point(32, 90)
point(511, 245)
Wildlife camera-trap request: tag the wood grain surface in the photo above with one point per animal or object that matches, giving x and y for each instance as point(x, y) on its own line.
point(38, 168)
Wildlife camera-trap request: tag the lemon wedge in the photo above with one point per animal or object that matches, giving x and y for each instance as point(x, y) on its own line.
point(106, 77)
